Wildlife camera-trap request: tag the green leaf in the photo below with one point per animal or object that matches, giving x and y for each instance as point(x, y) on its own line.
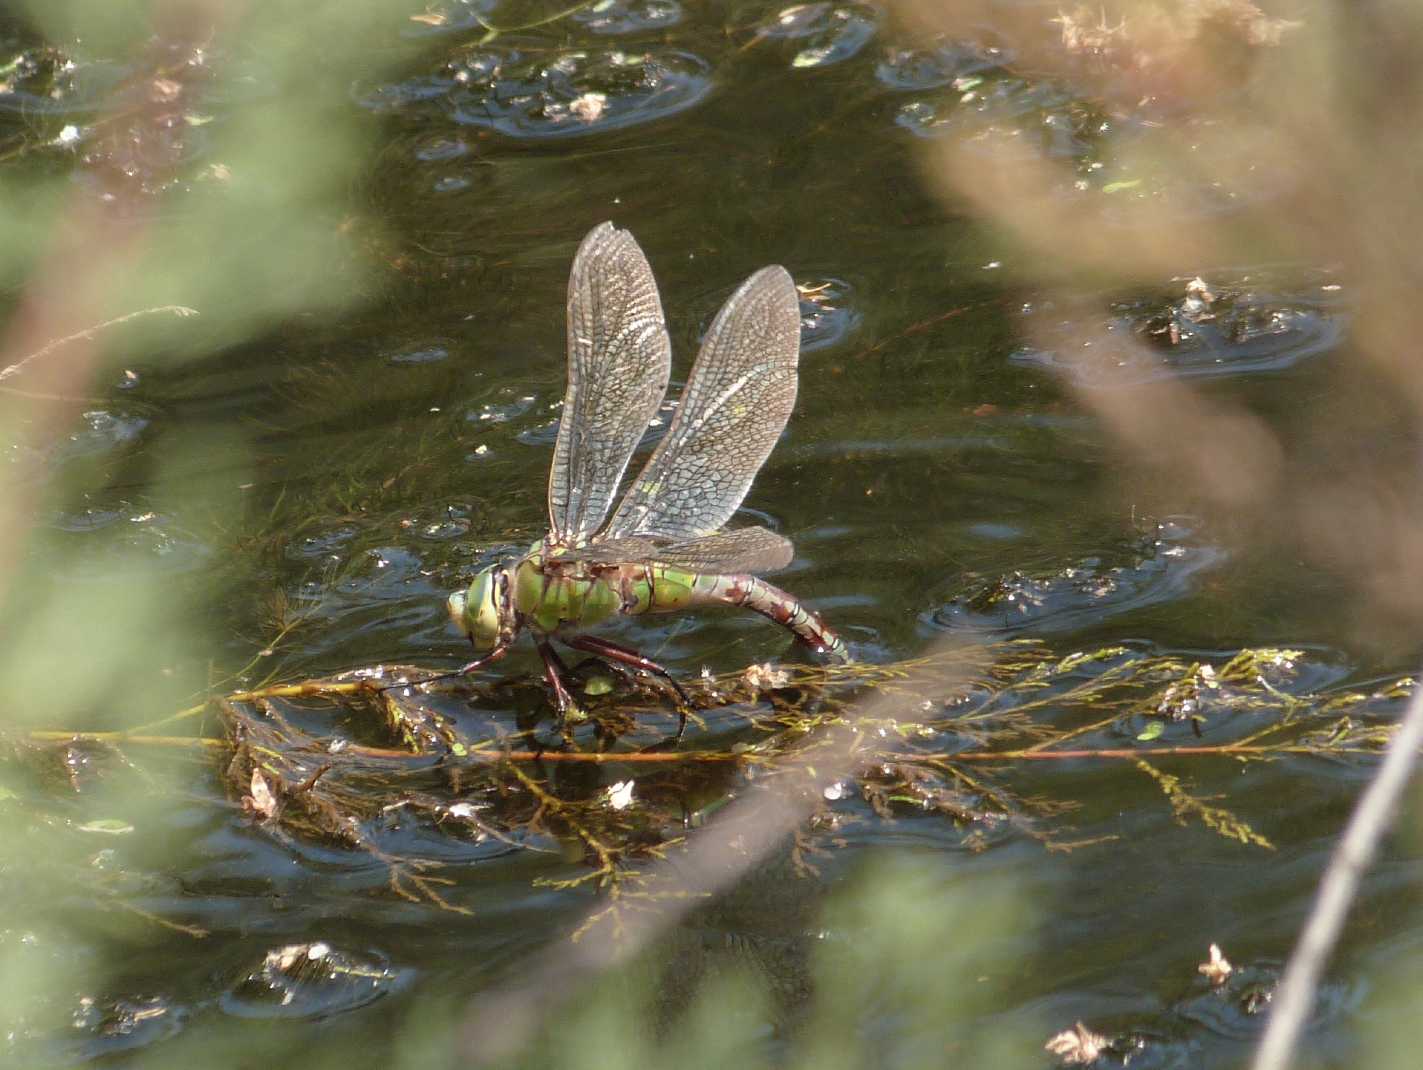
point(1151, 731)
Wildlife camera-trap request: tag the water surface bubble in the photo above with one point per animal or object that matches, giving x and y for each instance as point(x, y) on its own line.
point(125, 1024)
point(629, 16)
point(933, 67)
point(824, 33)
point(545, 434)
point(827, 313)
point(1158, 569)
point(87, 519)
point(579, 93)
point(1230, 327)
point(101, 431)
point(436, 149)
point(500, 412)
point(452, 527)
point(925, 118)
point(123, 534)
point(313, 980)
point(400, 96)
point(427, 354)
point(451, 184)
point(320, 545)
point(1237, 1008)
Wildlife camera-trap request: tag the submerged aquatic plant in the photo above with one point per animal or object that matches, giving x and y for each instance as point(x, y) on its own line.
point(355, 759)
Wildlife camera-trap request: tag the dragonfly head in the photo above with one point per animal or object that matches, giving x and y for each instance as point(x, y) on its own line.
point(483, 611)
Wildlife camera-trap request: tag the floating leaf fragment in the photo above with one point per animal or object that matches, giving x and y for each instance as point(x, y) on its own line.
point(766, 677)
point(260, 800)
point(1077, 1046)
point(1217, 969)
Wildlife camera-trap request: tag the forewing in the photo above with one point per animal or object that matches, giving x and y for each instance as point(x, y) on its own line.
point(738, 398)
point(619, 361)
point(725, 553)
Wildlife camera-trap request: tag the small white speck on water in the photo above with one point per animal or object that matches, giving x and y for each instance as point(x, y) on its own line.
point(620, 795)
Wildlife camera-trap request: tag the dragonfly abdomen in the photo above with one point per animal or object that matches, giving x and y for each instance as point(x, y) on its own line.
point(771, 602)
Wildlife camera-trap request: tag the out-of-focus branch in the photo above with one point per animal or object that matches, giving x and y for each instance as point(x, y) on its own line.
point(1298, 136)
point(88, 335)
point(1371, 819)
point(98, 238)
point(746, 833)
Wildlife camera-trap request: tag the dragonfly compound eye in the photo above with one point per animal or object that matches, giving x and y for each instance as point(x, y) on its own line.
point(476, 612)
point(457, 603)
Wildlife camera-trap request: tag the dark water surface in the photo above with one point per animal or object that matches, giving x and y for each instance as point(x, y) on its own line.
point(364, 464)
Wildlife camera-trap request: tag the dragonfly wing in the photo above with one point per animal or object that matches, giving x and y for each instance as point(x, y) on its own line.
point(725, 553)
point(738, 398)
point(729, 552)
point(619, 361)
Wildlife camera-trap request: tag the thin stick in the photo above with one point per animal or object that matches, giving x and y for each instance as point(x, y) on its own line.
point(123, 737)
point(88, 333)
point(1340, 884)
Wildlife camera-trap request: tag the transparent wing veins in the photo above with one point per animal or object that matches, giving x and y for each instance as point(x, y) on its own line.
point(619, 363)
point(738, 398)
point(754, 549)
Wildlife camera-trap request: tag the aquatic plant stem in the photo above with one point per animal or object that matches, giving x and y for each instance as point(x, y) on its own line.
point(88, 335)
point(495, 31)
point(1356, 849)
point(1228, 750)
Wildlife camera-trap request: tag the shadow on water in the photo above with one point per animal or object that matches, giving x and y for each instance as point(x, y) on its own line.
point(361, 417)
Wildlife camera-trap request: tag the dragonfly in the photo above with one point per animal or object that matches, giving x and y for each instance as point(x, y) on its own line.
point(664, 548)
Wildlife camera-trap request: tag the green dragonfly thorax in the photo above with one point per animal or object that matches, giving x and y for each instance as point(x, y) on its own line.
point(551, 595)
point(539, 591)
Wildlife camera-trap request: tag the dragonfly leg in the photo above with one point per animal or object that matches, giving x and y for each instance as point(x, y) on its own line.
point(554, 670)
point(479, 663)
point(603, 648)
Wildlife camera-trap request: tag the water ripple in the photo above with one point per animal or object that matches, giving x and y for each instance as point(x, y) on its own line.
point(125, 1024)
point(313, 980)
point(101, 431)
point(1090, 591)
point(827, 313)
point(1232, 328)
point(629, 16)
point(934, 66)
point(823, 34)
point(1033, 118)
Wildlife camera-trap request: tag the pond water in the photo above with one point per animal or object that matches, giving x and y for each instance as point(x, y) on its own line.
point(947, 478)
